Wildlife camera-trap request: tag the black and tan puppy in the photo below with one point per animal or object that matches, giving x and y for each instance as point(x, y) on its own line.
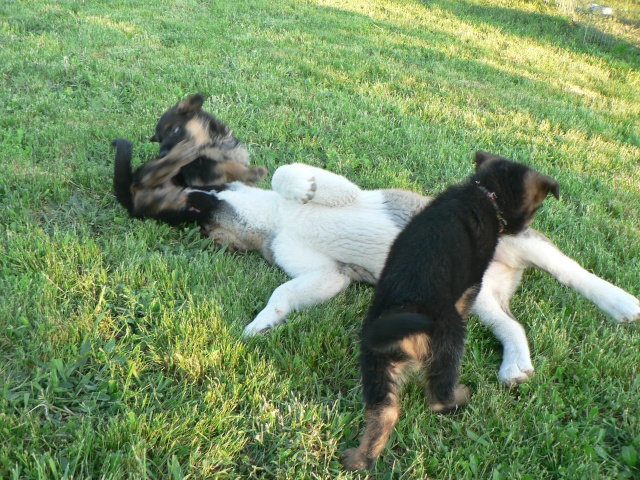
point(196, 151)
point(221, 154)
point(433, 271)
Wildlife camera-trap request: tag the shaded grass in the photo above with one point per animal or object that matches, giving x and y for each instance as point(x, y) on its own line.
point(120, 350)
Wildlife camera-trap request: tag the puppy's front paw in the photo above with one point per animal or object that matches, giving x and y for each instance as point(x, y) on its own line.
point(512, 374)
point(622, 306)
point(256, 174)
point(252, 329)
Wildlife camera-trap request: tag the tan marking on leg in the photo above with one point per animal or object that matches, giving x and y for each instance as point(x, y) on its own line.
point(380, 421)
point(465, 302)
point(234, 171)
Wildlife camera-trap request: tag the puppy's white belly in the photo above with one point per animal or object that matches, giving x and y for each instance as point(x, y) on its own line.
point(354, 235)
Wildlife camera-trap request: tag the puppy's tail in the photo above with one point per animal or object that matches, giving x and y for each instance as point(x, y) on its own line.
point(386, 330)
point(446, 333)
point(122, 174)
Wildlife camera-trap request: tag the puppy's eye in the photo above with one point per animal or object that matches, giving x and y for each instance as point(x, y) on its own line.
point(175, 131)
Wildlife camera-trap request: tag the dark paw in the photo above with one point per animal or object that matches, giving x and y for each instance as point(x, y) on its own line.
point(461, 396)
point(259, 172)
point(353, 460)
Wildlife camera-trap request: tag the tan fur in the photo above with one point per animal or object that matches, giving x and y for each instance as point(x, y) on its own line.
point(236, 154)
point(465, 302)
point(159, 199)
point(198, 131)
point(233, 171)
point(156, 172)
point(536, 188)
point(229, 238)
point(415, 346)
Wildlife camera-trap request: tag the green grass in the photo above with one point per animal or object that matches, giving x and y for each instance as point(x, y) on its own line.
point(120, 340)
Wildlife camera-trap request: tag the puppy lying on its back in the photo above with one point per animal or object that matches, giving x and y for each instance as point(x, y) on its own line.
point(430, 279)
point(196, 150)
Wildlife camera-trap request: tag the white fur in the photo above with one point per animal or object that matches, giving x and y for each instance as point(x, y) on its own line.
point(325, 232)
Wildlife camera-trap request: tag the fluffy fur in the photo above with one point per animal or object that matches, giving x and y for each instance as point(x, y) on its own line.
point(433, 271)
point(325, 232)
point(196, 150)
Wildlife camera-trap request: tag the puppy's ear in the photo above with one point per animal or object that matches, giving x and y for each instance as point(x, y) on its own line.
point(539, 186)
point(484, 158)
point(548, 184)
point(191, 105)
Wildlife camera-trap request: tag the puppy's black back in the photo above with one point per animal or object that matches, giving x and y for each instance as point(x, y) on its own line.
point(441, 252)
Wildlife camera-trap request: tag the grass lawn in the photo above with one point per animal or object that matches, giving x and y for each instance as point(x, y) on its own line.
point(120, 340)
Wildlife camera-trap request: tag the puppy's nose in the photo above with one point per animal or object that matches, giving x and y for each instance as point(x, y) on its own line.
point(164, 151)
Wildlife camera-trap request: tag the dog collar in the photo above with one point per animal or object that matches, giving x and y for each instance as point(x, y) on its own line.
point(492, 198)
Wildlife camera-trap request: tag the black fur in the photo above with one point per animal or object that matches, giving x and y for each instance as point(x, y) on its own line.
point(122, 174)
point(441, 253)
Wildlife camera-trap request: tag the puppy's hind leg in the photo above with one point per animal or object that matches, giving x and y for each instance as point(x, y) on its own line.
point(442, 365)
point(381, 380)
point(304, 183)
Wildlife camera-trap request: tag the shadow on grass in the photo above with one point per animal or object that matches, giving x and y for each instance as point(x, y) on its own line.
point(468, 82)
point(551, 29)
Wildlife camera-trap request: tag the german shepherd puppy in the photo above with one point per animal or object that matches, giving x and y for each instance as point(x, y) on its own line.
point(196, 150)
point(428, 284)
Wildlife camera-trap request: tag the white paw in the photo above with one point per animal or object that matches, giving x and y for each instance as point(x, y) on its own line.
point(302, 190)
point(295, 182)
point(266, 320)
point(511, 373)
point(623, 307)
point(256, 327)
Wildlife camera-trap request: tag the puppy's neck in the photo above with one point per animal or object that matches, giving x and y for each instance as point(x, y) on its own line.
point(494, 201)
